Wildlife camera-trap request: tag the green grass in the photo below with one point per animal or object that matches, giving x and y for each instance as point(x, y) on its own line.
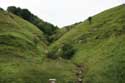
point(100, 46)
point(21, 46)
point(23, 54)
point(19, 35)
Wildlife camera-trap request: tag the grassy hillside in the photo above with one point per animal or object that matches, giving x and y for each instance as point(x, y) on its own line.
point(48, 29)
point(60, 32)
point(21, 47)
point(23, 54)
point(100, 46)
point(19, 38)
point(97, 48)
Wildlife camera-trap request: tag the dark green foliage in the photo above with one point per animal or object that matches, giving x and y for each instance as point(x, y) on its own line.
point(1, 9)
point(68, 51)
point(90, 20)
point(12, 9)
point(45, 27)
point(52, 54)
point(48, 29)
point(23, 13)
point(26, 14)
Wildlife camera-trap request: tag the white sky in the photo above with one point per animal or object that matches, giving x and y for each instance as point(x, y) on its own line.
point(63, 12)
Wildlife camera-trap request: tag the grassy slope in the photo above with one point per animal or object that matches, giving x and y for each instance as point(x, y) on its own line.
point(19, 38)
point(22, 54)
point(100, 46)
point(21, 49)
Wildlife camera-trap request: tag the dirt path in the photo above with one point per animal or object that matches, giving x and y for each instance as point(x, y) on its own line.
point(79, 73)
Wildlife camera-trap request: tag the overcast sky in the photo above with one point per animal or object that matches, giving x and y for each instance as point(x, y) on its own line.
point(63, 12)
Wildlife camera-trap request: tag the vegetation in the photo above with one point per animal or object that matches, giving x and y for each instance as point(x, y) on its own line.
point(45, 27)
point(23, 54)
point(68, 51)
point(97, 48)
point(65, 51)
point(1, 9)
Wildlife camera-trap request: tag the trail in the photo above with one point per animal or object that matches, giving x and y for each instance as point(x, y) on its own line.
point(79, 73)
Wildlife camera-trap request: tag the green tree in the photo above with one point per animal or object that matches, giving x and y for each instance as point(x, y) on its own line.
point(1, 9)
point(12, 9)
point(48, 29)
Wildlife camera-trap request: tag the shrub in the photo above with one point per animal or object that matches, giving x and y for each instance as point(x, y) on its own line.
point(68, 51)
point(52, 54)
point(1, 9)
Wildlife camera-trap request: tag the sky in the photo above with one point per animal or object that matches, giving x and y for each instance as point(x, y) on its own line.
point(63, 12)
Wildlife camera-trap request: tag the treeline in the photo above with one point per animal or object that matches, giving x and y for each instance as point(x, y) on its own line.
point(48, 29)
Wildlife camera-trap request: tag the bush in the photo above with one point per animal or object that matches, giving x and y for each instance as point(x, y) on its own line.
point(51, 54)
point(66, 51)
point(1, 9)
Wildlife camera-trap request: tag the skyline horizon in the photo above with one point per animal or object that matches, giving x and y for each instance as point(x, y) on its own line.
point(59, 17)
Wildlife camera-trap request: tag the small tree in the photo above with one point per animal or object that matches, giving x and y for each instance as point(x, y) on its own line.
point(1, 9)
point(26, 14)
point(90, 20)
point(12, 9)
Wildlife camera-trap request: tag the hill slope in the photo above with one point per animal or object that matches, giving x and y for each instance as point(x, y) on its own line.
point(47, 28)
point(21, 47)
point(19, 36)
point(100, 46)
point(23, 54)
